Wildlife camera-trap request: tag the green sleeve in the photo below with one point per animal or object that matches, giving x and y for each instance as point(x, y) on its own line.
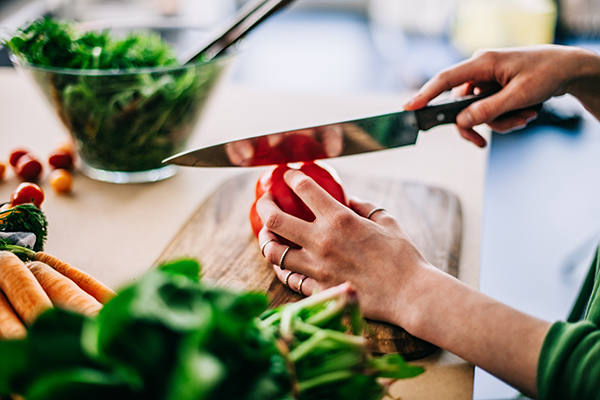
point(569, 364)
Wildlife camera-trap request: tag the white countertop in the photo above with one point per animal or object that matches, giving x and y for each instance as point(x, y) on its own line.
point(116, 232)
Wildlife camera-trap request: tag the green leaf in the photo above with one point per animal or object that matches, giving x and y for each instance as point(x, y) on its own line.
point(394, 366)
point(187, 267)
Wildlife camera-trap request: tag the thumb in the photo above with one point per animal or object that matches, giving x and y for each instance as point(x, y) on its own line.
point(490, 108)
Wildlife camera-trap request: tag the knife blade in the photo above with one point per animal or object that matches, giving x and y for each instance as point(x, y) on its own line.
point(339, 139)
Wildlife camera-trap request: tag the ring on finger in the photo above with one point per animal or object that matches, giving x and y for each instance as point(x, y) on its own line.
point(262, 247)
point(373, 211)
point(286, 281)
point(300, 284)
point(282, 257)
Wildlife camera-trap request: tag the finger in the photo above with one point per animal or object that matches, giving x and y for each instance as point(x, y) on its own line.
point(294, 259)
point(471, 70)
point(365, 208)
point(487, 110)
point(309, 285)
point(269, 238)
point(508, 125)
point(462, 90)
point(513, 122)
point(279, 222)
point(472, 136)
point(314, 196)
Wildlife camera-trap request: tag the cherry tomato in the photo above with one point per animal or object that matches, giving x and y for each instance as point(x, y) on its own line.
point(16, 155)
point(272, 181)
point(61, 181)
point(29, 168)
point(2, 170)
point(61, 159)
point(27, 192)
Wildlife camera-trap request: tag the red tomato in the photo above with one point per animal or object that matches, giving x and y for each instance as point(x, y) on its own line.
point(28, 168)
point(272, 181)
point(16, 155)
point(61, 159)
point(27, 192)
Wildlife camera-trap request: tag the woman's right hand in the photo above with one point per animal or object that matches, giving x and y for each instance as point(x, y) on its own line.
point(528, 76)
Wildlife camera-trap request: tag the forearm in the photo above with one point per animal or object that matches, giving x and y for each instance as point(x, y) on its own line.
point(483, 331)
point(586, 84)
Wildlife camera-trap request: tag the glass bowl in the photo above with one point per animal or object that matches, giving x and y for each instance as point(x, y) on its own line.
point(125, 122)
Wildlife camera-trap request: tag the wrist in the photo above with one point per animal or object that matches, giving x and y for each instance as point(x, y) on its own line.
point(585, 83)
point(413, 294)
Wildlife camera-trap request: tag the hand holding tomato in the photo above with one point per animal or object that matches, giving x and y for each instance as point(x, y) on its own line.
point(272, 181)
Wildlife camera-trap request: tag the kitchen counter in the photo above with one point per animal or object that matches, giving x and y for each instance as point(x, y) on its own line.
point(116, 232)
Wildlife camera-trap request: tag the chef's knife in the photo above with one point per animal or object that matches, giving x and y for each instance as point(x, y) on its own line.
point(327, 141)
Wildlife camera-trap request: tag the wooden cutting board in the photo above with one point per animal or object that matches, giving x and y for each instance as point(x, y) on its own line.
point(220, 237)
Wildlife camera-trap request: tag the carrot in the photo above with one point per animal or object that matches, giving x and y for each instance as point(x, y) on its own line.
point(86, 282)
point(63, 292)
point(11, 326)
point(21, 288)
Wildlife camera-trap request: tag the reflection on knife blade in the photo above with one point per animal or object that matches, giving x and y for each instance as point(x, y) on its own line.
point(326, 141)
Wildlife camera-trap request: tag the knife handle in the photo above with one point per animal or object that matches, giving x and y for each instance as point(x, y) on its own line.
point(445, 113)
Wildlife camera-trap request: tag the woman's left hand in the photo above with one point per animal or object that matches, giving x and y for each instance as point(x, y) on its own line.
point(342, 245)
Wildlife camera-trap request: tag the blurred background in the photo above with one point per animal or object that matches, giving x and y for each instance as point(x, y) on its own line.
point(541, 217)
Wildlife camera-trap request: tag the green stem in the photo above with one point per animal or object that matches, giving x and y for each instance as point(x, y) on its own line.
point(23, 253)
point(325, 379)
point(342, 292)
point(308, 346)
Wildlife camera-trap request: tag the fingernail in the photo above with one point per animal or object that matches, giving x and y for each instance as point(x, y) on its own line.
point(409, 104)
point(289, 173)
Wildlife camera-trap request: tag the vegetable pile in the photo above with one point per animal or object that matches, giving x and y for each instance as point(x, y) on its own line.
point(170, 336)
point(121, 118)
point(44, 281)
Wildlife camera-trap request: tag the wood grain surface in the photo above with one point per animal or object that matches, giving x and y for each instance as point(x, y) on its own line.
point(219, 235)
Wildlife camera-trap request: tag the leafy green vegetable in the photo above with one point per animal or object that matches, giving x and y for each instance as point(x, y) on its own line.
point(25, 218)
point(122, 116)
point(169, 336)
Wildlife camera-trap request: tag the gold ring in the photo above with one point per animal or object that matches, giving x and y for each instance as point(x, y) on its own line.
point(262, 248)
point(373, 211)
point(282, 257)
point(300, 284)
point(287, 279)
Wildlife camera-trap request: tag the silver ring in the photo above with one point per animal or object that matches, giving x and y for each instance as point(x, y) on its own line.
point(373, 211)
point(287, 279)
point(300, 284)
point(282, 257)
point(262, 248)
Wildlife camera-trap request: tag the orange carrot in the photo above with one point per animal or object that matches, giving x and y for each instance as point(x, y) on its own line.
point(86, 282)
point(63, 292)
point(21, 288)
point(11, 326)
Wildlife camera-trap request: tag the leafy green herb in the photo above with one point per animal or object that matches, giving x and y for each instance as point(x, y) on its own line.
point(169, 336)
point(122, 118)
point(25, 218)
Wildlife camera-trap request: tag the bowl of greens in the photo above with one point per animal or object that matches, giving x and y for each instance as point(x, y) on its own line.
point(120, 91)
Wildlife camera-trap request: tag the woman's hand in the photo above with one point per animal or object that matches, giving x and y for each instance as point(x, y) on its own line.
point(342, 245)
point(396, 284)
point(528, 76)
